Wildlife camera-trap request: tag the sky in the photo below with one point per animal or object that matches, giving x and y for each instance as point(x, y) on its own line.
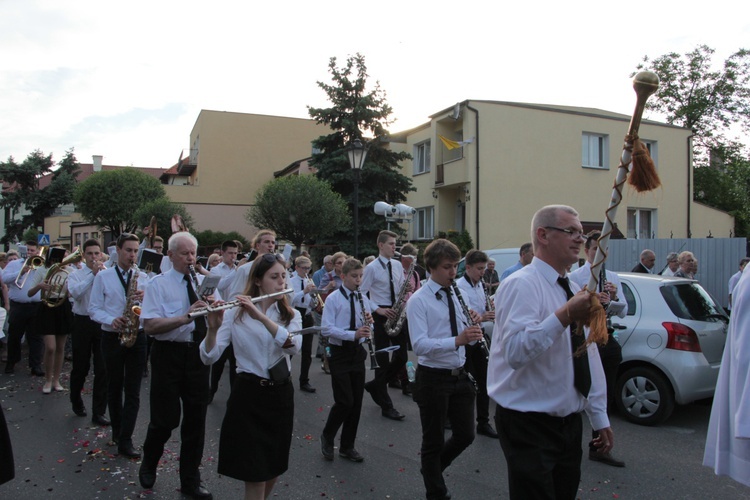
point(127, 80)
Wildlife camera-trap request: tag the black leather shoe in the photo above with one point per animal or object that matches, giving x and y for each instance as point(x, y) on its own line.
point(406, 389)
point(605, 458)
point(199, 491)
point(99, 419)
point(10, 368)
point(326, 448)
point(370, 388)
point(395, 383)
point(128, 451)
point(307, 387)
point(37, 372)
point(393, 414)
point(486, 429)
point(147, 476)
point(79, 409)
point(352, 455)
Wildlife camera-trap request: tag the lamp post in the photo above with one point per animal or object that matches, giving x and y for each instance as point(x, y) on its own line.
point(356, 152)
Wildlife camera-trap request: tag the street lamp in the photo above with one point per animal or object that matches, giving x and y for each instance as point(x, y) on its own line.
point(356, 152)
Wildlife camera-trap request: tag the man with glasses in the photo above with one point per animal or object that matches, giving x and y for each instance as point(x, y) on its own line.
point(540, 374)
point(303, 301)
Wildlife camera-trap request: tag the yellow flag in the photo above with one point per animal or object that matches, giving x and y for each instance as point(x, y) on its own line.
point(449, 143)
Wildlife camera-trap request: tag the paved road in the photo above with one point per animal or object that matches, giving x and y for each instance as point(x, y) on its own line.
point(59, 455)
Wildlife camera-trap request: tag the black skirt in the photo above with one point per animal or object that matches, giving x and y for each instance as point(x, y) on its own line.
point(55, 320)
point(257, 430)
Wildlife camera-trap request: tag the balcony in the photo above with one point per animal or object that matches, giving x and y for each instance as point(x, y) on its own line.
point(452, 173)
point(188, 165)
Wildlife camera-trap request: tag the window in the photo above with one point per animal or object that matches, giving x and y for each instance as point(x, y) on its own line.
point(422, 158)
point(423, 223)
point(594, 150)
point(653, 150)
point(629, 298)
point(641, 223)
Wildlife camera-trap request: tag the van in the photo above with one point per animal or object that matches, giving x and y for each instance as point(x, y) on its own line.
point(503, 257)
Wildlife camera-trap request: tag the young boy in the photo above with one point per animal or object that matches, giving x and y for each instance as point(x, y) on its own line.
point(347, 328)
point(438, 332)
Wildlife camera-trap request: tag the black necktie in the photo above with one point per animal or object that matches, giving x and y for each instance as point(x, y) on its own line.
point(581, 373)
point(302, 287)
point(390, 283)
point(451, 311)
point(200, 322)
point(352, 313)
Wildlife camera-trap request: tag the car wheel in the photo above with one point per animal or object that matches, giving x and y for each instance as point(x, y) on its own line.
point(644, 396)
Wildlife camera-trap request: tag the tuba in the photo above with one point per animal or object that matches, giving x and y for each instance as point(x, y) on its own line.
point(132, 312)
point(57, 278)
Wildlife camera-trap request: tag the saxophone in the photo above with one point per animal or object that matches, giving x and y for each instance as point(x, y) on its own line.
point(393, 326)
point(132, 313)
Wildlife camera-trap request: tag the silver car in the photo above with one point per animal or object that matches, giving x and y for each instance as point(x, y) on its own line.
point(672, 340)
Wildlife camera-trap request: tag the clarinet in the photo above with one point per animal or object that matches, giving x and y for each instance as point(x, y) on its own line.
point(481, 342)
point(373, 360)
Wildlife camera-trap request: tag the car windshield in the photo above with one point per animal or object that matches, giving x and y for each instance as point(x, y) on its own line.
point(691, 301)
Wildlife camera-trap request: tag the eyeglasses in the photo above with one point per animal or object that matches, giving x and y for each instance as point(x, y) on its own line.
point(573, 234)
point(304, 268)
point(272, 257)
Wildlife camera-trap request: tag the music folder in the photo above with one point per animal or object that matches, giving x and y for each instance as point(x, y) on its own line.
point(55, 255)
point(304, 331)
point(150, 261)
point(208, 286)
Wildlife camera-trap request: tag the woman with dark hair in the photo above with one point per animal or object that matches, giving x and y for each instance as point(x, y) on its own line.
point(256, 433)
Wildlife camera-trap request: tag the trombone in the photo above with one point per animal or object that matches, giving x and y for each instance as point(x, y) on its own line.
point(34, 262)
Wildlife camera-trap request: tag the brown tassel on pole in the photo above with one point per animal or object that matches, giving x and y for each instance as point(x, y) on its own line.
point(643, 176)
point(597, 324)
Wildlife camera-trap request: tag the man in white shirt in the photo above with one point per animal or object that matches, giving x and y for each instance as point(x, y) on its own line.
point(125, 365)
point(86, 337)
point(735, 279)
point(382, 281)
point(539, 385)
point(22, 317)
point(234, 283)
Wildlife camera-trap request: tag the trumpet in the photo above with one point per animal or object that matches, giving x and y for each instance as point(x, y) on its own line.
point(203, 311)
point(365, 321)
point(34, 262)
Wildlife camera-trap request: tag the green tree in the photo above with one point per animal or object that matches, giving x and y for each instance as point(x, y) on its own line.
point(709, 101)
point(209, 238)
point(356, 112)
point(299, 208)
point(23, 192)
point(163, 209)
point(110, 199)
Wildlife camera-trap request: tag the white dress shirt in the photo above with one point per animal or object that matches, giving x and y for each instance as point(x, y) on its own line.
point(617, 307)
point(20, 294)
point(107, 298)
point(254, 347)
point(167, 297)
point(376, 281)
point(300, 298)
point(531, 367)
point(80, 283)
point(473, 294)
point(337, 315)
point(428, 314)
point(234, 282)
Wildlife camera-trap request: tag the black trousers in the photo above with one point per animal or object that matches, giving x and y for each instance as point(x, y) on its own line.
point(389, 366)
point(22, 318)
point(476, 364)
point(124, 367)
point(611, 356)
point(179, 388)
point(86, 344)
point(217, 369)
point(347, 365)
point(306, 351)
point(442, 396)
point(543, 453)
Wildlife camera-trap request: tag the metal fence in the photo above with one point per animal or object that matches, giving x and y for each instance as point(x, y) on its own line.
point(718, 258)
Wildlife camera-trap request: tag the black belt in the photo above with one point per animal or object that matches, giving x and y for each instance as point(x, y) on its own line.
point(455, 372)
point(263, 382)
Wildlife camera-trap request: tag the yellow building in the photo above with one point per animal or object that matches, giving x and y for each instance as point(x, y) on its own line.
point(231, 156)
point(516, 158)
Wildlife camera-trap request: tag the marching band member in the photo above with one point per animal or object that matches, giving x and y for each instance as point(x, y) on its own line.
point(229, 252)
point(179, 381)
point(256, 433)
point(342, 314)
point(381, 281)
point(442, 386)
point(474, 293)
point(87, 336)
point(409, 255)
point(22, 317)
point(124, 365)
point(233, 283)
point(303, 301)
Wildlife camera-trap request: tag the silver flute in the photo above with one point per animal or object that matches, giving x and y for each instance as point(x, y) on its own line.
point(203, 311)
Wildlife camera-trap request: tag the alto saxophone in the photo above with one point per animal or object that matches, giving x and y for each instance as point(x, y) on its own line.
point(132, 313)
